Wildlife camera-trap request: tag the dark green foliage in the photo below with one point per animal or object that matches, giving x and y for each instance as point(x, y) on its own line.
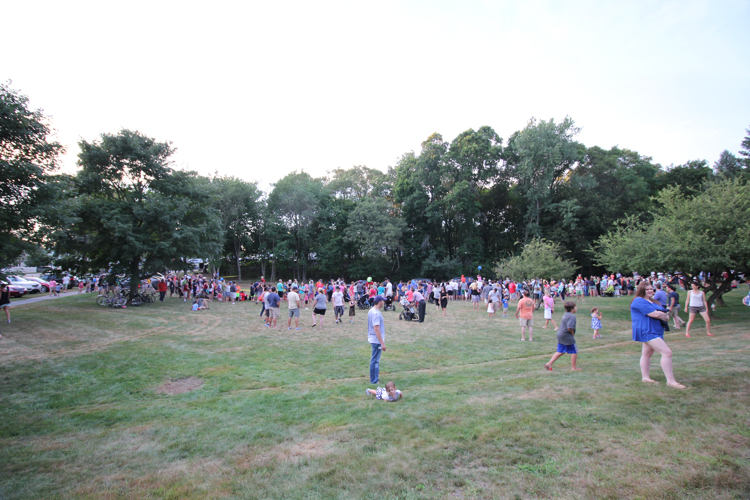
point(129, 212)
point(689, 178)
point(745, 151)
point(708, 232)
point(728, 165)
point(27, 160)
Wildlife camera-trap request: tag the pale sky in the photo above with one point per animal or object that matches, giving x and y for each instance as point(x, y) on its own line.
point(257, 90)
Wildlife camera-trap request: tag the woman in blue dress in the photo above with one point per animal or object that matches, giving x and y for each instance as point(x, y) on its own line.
point(647, 316)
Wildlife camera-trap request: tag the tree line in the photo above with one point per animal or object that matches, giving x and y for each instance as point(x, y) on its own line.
point(438, 213)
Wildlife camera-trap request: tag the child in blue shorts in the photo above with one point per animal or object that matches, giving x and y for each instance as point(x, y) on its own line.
point(505, 306)
point(566, 342)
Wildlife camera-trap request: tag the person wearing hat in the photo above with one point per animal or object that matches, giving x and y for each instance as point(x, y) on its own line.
point(376, 336)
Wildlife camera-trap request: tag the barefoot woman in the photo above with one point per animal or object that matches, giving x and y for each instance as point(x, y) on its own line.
point(647, 316)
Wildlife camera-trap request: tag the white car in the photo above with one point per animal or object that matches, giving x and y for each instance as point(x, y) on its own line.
point(30, 286)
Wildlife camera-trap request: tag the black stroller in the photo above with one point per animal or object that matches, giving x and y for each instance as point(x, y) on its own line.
point(363, 303)
point(409, 312)
point(389, 304)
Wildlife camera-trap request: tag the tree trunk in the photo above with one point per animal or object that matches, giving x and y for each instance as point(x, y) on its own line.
point(237, 256)
point(717, 292)
point(135, 280)
point(262, 267)
point(273, 270)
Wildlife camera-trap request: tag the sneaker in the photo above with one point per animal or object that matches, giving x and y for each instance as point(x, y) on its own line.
point(291, 328)
point(314, 325)
point(367, 391)
point(296, 328)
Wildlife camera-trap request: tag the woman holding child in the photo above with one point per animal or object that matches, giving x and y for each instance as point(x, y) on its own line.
point(649, 319)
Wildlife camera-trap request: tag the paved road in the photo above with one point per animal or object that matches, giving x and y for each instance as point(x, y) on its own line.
point(41, 297)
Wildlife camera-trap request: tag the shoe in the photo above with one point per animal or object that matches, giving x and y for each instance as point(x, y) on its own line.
point(290, 328)
point(296, 328)
point(367, 391)
point(314, 326)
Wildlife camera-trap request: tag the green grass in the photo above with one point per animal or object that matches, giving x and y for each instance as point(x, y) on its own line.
point(283, 414)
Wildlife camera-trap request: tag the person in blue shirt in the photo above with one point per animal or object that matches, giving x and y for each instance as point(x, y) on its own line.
point(649, 318)
point(273, 308)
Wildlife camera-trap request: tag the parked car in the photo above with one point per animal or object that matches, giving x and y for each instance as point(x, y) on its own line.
point(30, 286)
point(17, 291)
point(45, 284)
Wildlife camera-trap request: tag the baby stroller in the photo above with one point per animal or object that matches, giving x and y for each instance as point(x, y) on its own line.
point(389, 304)
point(362, 303)
point(409, 312)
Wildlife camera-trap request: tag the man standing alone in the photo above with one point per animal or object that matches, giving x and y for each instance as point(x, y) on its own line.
point(525, 309)
point(376, 337)
point(162, 290)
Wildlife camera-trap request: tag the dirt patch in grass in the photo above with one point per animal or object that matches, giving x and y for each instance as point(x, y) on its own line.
point(546, 393)
point(180, 386)
point(285, 452)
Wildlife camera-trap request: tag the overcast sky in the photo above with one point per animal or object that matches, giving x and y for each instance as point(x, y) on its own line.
point(260, 89)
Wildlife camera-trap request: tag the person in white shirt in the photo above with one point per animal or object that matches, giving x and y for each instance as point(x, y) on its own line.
point(338, 303)
point(293, 301)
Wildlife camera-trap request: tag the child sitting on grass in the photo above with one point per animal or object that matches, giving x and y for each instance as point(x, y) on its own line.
point(387, 393)
point(199, 305)
point(566, 342)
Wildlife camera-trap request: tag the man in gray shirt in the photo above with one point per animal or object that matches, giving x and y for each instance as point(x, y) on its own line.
point(566, 342)
point(376, 337)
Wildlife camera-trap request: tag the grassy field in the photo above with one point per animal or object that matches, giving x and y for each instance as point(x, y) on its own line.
point(87, 410)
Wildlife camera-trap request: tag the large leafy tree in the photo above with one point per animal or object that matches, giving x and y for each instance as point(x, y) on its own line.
point(357, 182)
point(728, 165)
point(440, 193)
point(375, 228)
point(708, 232)
point(689, 177)
point(296, 201)
point(129, 212)
point(605, 186)
point(28, 158)
point(542, 153)
point(238, 205)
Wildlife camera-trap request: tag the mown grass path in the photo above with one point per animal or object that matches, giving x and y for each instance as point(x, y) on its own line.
point(282, 414)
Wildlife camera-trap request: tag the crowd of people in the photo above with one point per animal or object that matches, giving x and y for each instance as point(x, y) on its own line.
point(655, 302)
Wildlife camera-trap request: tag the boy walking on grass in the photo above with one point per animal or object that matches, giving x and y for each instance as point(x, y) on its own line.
point(566, 342)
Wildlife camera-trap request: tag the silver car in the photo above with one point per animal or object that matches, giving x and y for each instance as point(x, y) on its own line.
point(30, 286)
